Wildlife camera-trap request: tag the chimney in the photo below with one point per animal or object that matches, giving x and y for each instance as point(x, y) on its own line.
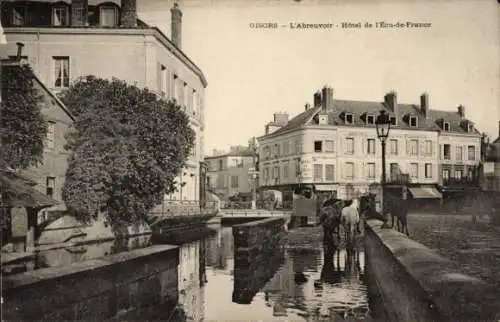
point(461, 111)
point(129, 14)
point(20, 46)
point(391, 101)
point(281, 118)
point(79, 12)
point(176, 25)
point(424, 104)
point(327, 98)
point(307, 106)
point(317, 99)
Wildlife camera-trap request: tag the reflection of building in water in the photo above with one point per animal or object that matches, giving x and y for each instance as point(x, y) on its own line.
point(280, 287)
point(190, 290)
point(214, 242)
point(225, 254)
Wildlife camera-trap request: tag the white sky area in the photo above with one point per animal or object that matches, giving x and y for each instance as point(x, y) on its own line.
point(253, 73)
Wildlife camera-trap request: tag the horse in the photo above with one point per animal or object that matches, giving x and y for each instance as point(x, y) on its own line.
point(399, 213)
point(330, 213)
point(350, 221)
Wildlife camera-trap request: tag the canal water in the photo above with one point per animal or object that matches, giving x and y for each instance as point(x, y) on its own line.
point(291, 285)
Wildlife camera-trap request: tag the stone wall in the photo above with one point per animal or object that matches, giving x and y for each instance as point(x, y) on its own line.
point(140, 284)
point(416, 284)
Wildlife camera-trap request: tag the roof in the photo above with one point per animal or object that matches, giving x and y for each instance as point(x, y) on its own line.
point(243, 153)
point(19, 194)
point(359, 110)
point(7, 63)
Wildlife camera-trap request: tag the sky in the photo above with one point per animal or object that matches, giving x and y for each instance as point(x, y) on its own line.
point(253, 73)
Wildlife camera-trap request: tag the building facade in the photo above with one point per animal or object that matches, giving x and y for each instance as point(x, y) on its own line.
point(228, 173)
point(68, 39)
point(333, 145)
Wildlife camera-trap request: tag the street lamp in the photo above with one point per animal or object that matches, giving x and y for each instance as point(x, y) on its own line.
point(383, 124)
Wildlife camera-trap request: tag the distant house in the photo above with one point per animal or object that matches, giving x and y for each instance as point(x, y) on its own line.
point(48, 177)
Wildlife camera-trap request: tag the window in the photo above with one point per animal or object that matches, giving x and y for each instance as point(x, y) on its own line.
point(51, 135)
point(446, 126)
point(414, 170)
point(276, 150)
point(393, 147)
point(234, 181)
point(371, 146)
point(78, 15)
point(221, 165)
point(394, 170)
point(329, 147)
point(19, 16)
point(393, 120)
point(370, 119)
point(323, 119)
point(286, 148)
point(61, 72)
point(60, 16)
point(164, 81)
point(349, 145)
point(446, 174)
point(371, 170)
point(458, 153)
point(349, 118)
point(470, 173)
point(329, 172)
point(194, 103)
point(459, 174)
point(175, 93)
point(471, 153)
point(349, 170)
point(108, 16)
point(318, 146)
point(413, 121)
point(276, 172)
point(297, 168)
point(428, 170)
point(428, 147)
point(446, 152)
point(470, 128)
point(51, 186)
point(318, 172)
point(285, 171)
point(413, 147)
point(267, 152)
point(266, 174)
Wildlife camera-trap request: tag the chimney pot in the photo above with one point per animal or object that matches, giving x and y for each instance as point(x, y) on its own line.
point(424, 104)
point(176, 25)
point(327, 98)
point(461, 111)
point(317, 99)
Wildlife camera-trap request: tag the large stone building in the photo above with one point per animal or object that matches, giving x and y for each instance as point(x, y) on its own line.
point(333, 146)
point(68, 39)
point(228, 173)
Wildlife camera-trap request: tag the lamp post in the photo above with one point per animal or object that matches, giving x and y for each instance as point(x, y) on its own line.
point(383, 125)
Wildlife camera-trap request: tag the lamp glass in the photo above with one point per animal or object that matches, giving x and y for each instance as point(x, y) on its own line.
point(383, 124)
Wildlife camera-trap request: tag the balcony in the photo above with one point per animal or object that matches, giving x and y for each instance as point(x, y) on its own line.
point(460, 182)
point(398, 179)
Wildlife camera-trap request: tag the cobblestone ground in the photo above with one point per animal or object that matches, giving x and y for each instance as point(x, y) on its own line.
point(475, 247)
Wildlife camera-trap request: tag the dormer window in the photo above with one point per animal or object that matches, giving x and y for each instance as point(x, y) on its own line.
point(370, 119)
point(108, 16)
point(470, 128)
point(413, 122)
point(393, 120)
point(323, 119)
point(60, 16)
point(446, 126)
point(349, 118)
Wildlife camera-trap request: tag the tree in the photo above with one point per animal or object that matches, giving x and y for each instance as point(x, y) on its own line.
point(127, 148)
point(22, 126)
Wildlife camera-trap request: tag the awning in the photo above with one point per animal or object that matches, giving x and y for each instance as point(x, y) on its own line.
point(19, 194)
point(425, 193)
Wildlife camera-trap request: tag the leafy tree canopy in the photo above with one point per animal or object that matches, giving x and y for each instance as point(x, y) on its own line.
point(22, 126)
point(127, 147)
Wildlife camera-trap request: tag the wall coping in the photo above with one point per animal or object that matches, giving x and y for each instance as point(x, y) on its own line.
point(257, 222)
point(45, 274)
point(455, 295)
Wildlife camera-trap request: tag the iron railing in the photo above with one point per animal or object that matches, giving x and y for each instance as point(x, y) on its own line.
point(260, 204)
point(461, 181)
point(175, 208)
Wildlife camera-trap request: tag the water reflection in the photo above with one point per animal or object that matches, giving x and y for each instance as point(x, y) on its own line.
point(297, 284)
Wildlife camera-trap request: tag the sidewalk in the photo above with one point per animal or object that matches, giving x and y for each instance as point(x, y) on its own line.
point(475, 247)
